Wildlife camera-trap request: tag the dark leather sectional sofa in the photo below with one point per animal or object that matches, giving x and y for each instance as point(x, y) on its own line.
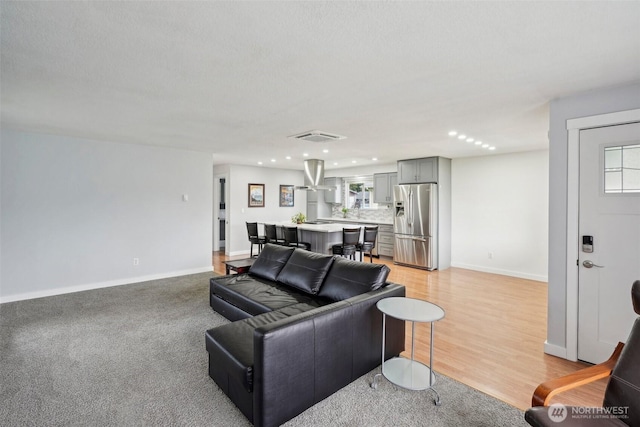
point(304, 326)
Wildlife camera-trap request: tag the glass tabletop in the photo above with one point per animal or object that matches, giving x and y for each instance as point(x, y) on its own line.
point(415, 310)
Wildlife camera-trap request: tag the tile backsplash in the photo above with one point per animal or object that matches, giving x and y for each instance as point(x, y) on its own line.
point(382, 214)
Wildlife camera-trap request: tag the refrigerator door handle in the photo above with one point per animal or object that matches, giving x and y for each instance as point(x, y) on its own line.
point(404, 237)
point(409, 237)
point(410, 203)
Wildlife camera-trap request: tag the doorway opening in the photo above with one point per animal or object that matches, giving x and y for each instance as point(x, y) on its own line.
point(220, 213)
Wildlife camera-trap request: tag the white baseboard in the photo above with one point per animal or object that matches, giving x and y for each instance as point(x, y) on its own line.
point(239, 253)
point(555, 350)
point(98, 285)
point(518, 274)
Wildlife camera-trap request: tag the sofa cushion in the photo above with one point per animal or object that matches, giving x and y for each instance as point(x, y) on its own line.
point(232, 344)
point(270, 262)
point(254, 295)
point(305, 270)
point(350, 278)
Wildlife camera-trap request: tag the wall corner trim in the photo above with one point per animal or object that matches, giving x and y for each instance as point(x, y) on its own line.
point(555, 350)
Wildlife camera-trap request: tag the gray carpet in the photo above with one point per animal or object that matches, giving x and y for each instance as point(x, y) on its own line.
point(134, 355)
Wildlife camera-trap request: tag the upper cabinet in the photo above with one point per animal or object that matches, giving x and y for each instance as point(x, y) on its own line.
point(333, 196)
point(383, 187)
point(418, 170)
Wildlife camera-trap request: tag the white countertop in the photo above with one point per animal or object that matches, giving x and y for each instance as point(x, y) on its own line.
point(358, 221)
point(320, 228)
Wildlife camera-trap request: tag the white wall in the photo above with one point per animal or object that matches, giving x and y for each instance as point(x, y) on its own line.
point(238, 212)
point(499, 205)
point(76, 212)
point(591, 103)
point(362, 170)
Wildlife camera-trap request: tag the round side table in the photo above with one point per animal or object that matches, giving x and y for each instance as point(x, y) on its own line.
point(403, 372)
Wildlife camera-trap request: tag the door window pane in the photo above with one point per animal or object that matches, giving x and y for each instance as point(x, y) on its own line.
point(613, 182)
point(631, 159)
point(612, 158)
point(622, 169)
point(631, 182)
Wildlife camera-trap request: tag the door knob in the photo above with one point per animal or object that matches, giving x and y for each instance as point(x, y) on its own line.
point(589, 264)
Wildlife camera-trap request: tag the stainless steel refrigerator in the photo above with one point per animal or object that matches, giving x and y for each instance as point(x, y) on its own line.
point(415, 225)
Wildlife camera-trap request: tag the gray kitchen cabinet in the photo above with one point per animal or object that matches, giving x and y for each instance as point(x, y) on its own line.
point(418, 170)
point(383, 187)
point(333, 196)
point(385, 240)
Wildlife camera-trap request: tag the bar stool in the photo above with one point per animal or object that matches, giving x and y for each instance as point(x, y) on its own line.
point(271, 234)
point(350, 239)
point(368, 242)
point(254, 238)
point(291, 238)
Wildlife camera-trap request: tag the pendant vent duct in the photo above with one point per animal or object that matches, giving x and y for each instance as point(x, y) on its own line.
point(317, 136)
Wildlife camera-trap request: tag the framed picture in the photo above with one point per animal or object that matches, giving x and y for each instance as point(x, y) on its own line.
point(286, 196)
point(256, 195)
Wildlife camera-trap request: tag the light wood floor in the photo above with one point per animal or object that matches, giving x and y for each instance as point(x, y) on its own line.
point(492, 335)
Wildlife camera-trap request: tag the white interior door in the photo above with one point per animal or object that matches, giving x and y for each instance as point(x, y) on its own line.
point(610, 213)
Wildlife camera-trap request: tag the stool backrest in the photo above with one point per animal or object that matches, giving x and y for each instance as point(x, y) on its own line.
point(350, 236)
point(270, 232)
point(370, 234)
point(252, 229)
point(291, 234)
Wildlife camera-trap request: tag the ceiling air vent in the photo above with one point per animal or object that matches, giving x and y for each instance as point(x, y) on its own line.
point(317, 136)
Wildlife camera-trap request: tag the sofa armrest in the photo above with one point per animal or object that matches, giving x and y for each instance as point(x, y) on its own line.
point(301, 360)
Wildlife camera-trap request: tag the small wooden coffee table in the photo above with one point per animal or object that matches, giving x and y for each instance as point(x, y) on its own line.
point(240, 266)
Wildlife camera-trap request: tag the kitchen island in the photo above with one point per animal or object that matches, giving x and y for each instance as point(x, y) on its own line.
point(385, 240)
point(320, 236)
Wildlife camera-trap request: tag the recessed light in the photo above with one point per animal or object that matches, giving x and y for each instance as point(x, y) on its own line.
point(288, 157)
point(453, 133)
point(353, 161)
point(485, 145)
point(470, 139)
point(492, 148)
point(305, 154)
point(259, 163)
point(325, 151)
point(478, 142)
point(462, 136)
point(375, 159)
point(335, 163)
point(273, 160)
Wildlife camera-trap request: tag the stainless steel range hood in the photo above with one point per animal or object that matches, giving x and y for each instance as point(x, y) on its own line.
point(314, 176)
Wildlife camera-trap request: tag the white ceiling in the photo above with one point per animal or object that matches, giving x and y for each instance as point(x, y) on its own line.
point(236, 78)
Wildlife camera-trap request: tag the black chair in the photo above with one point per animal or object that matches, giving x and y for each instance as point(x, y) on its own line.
point(368, 242)
point(291, 239)
point(350, 240)
point(254, 238)
point(622, 392)
point(271, 234)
